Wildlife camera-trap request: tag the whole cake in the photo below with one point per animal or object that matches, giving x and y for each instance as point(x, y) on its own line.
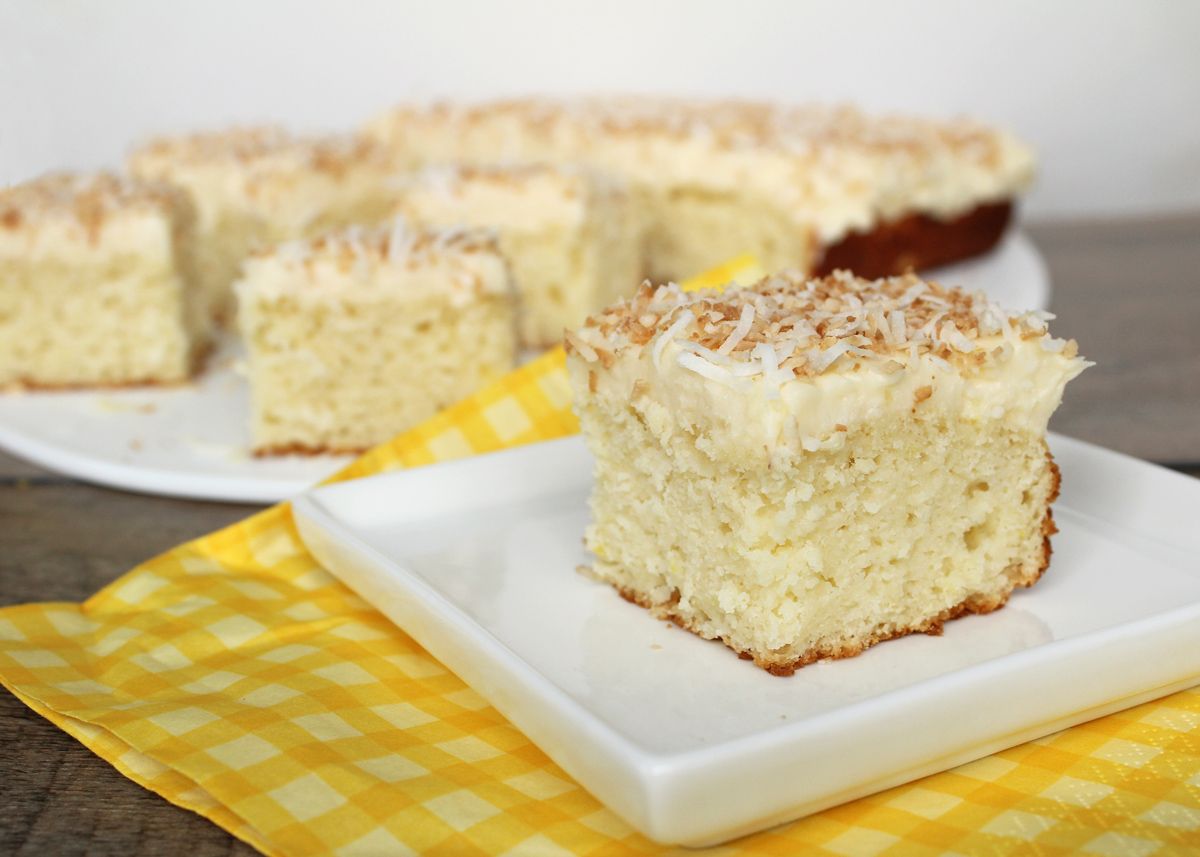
point(95, 286)
point(253, 187)
point(805, 467)
point(572, 238)
point(357, 335)
point(808, 187)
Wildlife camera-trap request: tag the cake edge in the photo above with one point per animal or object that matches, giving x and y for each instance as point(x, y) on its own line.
point(916, 241)
point(198, 363)
point(932, 626)
point(305, 449)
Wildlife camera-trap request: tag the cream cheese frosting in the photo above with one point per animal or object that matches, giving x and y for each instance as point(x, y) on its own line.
point(88, 215)
point(832, 169)
point(520, 196)
point(294, 178)
point(789, 364)
point(460, 263)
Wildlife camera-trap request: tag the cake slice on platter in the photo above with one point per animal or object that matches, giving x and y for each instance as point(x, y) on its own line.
point(95, 284)
point(357, 335)
point(253, 187)
point(805, 467)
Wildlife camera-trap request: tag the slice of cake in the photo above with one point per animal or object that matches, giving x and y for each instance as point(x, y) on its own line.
point(258, 186)
point(570, 237)
point(804, 468)
point(813, 187)
point(94, 285)
point(358, 335)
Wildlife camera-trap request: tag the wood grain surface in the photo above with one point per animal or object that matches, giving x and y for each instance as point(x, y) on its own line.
point(1129, 291)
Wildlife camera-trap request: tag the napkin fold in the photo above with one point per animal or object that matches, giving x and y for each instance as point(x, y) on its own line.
point(237, 678)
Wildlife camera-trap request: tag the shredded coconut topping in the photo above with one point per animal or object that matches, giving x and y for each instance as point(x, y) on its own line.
point(357, 249)
point(729, 124)
point(832, 169)
point(262, 146)
point(89, 198)
point(788, 326)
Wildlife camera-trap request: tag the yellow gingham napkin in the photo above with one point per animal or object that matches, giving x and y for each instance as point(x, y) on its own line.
point(235, 677)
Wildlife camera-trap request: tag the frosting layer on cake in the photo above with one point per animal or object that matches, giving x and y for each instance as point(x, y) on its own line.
point(804, 358)
point(831, 168)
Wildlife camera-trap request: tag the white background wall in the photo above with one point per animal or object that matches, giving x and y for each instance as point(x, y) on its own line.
point(1109, 92)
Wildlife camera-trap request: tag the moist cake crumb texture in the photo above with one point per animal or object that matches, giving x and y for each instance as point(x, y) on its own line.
point(805, 467)
point(358, 334)
point(97, 284)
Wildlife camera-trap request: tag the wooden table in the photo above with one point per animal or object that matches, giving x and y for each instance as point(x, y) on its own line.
point(1128, 291)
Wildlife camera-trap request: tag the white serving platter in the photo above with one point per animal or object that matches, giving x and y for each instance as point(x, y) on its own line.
point(194, 440)
point(476, 560)
point(191, 440)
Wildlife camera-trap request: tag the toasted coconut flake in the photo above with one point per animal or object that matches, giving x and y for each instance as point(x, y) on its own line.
point(911, 294)
point(582, 348)
point(821, 360)
point(952, 336)
point(700, 366)
point(685, 318)
point(745, 322)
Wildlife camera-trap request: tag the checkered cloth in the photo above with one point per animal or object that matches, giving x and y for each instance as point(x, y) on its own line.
point(237, 678)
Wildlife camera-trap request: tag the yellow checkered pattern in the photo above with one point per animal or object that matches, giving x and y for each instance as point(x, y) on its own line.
point(237, 678)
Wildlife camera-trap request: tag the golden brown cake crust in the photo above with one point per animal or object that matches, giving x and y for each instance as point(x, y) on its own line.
point(25, 385)
point(304, 449)
point(1020, 577)
point(918, 242)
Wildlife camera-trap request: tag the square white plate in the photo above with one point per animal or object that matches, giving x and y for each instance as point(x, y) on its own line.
point(476, 560)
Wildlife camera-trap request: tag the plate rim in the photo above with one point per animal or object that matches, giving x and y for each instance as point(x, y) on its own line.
point(155, 481)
